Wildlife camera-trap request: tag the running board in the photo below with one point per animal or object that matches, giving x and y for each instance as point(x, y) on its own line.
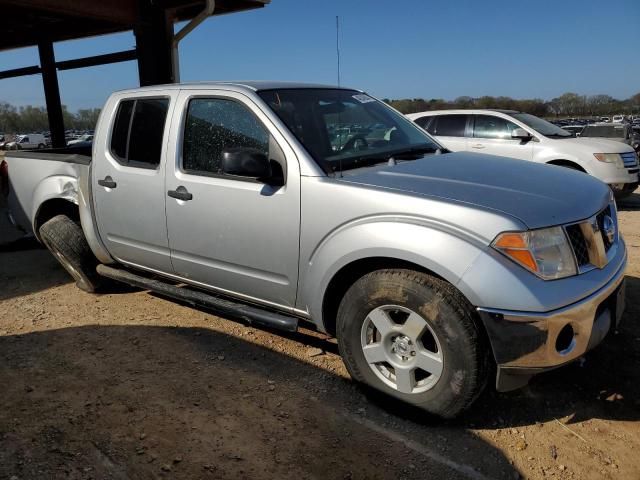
point(251, 314)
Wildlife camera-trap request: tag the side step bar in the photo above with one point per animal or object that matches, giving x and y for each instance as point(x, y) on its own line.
point(251, 314)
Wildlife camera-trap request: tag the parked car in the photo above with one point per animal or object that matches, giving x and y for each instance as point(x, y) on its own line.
point(573, 129)
point(27, 142)
point(427, 266)
point(605, 119)
point(520, 135)
point(621, 132)
point(618, 119)
point(85, 139)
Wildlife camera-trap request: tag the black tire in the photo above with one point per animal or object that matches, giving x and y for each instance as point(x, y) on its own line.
point(40, 146)
point(450, 318)
point(66, 241)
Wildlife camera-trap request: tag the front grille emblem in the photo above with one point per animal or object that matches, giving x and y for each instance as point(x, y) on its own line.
point(609, 228)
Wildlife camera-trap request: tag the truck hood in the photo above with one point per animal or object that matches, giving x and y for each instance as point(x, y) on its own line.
point(595, 145)
point(537, 195)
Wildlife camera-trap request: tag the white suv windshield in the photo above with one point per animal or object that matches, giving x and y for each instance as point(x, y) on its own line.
point(345, 129)
point(542, 126)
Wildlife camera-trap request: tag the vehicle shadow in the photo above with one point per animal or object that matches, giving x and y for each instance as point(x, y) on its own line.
point(142, 401)
point(25, 270)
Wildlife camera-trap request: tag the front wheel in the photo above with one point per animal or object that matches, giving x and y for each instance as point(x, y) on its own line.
point(413, 337)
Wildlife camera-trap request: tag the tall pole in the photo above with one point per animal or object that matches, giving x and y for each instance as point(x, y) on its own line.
point(52, 93)
point(338, 45)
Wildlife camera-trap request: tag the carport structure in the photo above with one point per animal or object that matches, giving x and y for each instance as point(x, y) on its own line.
point(41, 23)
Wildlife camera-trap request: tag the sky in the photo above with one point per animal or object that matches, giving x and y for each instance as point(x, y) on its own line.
point(391, 49)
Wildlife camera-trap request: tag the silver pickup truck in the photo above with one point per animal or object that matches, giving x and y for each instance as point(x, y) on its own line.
point(286, 204)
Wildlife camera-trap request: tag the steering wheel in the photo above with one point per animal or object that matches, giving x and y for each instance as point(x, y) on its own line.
point(357, 142)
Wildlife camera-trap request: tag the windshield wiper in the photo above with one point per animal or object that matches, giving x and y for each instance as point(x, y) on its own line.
point(407, 153)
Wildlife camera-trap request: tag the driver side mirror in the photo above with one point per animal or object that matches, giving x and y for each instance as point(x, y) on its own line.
point(520, 134)
point(246, 162)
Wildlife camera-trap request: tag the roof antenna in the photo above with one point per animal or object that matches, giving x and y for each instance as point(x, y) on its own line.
point(338, 45)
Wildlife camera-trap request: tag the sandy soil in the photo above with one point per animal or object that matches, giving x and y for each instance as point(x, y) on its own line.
point(129, 385)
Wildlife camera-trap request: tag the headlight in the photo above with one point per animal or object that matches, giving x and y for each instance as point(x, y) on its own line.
point(614, 158)
point(545, 252)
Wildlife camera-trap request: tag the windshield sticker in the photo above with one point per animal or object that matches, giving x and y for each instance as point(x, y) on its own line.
point(362, 98)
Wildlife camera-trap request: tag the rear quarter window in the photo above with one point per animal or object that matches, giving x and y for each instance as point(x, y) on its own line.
point(449, 125)
point(424, 122)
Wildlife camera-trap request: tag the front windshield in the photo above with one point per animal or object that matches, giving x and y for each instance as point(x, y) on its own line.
point(542, 126)
point(344, 129)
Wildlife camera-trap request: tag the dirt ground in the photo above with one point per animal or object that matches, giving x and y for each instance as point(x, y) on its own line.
point(129, 385)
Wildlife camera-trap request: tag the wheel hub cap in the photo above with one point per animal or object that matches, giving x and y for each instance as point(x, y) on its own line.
point(402, 349)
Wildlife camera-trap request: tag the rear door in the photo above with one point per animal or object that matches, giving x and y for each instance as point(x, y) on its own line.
point(234, 234)
point(450, 130)
point(492, 135)
point(127, 181)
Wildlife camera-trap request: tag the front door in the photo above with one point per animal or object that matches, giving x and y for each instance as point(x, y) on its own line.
point(234, 234)
point(127, 182)
point(492, 135)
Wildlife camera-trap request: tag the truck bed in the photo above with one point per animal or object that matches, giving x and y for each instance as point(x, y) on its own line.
point(37, 175)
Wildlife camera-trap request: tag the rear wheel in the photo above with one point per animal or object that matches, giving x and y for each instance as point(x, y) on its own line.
point(65, 240)
point(414, 337)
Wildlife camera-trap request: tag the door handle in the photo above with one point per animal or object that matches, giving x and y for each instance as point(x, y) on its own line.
point(477, 145)
point(180, 193)
point(107, 182)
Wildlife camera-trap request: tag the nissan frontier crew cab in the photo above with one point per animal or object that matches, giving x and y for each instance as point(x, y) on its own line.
point(285, 204)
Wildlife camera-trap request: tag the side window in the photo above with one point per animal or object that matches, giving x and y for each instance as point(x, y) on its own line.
point(449, 125)
point(423, 122)
point(214, 125)
point(138, 131)
point(487, 126)
point(120, 132)
point(25, 140)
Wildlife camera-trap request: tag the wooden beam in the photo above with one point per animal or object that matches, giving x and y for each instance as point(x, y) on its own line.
point(124, 56)
point(52, 94)
point(117, 11)
point(20, 72)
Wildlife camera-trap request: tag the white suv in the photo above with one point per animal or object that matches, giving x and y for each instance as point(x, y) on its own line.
point(519, 135)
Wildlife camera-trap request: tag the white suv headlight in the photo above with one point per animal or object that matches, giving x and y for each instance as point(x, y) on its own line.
point(614, 158)
point(545, 252)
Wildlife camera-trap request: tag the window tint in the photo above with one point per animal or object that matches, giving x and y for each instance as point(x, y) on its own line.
point(214, 125)
point(121, 129)
point(147, 131)
point(138, 131)
point(423, 122)
point(449, 125)
point(487, 126)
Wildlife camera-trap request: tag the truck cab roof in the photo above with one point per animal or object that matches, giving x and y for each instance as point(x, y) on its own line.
point(250, 85)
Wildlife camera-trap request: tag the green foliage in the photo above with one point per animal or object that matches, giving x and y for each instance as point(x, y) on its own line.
point(28, 118)
point(566, 105)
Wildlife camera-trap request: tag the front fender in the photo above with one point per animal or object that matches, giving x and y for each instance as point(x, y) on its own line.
point(445, 252)
point(550, 155)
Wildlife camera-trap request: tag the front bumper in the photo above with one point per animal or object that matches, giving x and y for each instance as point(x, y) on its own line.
point(526, 343)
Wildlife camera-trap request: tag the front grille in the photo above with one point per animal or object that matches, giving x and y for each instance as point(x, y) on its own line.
point(589, 240)
point(576, 238)
point(630, 159)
